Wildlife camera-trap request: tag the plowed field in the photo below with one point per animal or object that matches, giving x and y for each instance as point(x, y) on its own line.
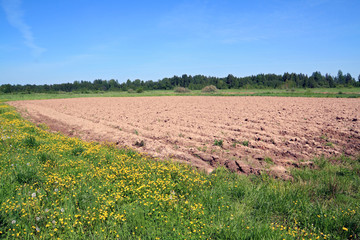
point(245, 134)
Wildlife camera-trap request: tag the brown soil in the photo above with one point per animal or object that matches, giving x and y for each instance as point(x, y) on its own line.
point(257, 133)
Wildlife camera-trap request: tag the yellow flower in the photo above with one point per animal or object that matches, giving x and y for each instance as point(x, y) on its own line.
point(345, 229)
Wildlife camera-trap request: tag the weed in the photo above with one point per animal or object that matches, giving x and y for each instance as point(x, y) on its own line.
point(27, 175)
point(203, 148)
point(245, 143)
point(77, 151)
point(268, 160)
point(46, 158)
point(136, 132)
point(218, 142)
point(235, 142)
point(329, 144)
point(30, 141)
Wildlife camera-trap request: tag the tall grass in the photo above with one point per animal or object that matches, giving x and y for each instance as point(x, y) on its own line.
point(52, 186)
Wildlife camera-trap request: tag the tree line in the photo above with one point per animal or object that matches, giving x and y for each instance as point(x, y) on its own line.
point(196, 82)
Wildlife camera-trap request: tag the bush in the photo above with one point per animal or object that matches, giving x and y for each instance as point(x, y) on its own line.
point(139, 90)
point(181, 90)
point(209, 89)
point(130, 90)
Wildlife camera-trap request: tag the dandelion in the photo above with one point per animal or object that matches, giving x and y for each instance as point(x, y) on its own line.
point(28, 164)
point(345, 229)
point(37, 218)
point(33, 194)
point(56, 190)
point(13, 221)
point(46, 210)
point(62, 210)
point(37, 229)
point(53, 222)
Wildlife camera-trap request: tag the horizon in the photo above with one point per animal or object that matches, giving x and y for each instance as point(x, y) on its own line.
point(62, 42)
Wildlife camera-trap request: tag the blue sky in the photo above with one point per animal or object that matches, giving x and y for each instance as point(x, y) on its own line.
point(47, 42)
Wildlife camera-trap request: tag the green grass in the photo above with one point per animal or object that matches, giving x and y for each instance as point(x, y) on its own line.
point(299, 92)
point(52, 186)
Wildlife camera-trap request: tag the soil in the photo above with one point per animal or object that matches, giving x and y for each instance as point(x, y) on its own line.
point(245, 134)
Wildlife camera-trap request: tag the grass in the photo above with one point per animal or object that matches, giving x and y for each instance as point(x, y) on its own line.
point(299, 92)
point(52, 186)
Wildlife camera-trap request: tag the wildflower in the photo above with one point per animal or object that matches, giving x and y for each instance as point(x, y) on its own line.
point(13, 221)
point(33, 194)
point(37, 229)
point(46, 210)
point(28, 164)
point(37, 218)
point(56, 189)
point(345, 229)
point(53, 221)
point(62, 210)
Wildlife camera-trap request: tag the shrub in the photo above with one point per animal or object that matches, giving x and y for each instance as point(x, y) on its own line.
point(139, 90)
point(209, 89)
point(181, 90)
point(130, 90)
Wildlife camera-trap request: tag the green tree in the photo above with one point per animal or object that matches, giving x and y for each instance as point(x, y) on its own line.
point(349, 80)
point(340, 79)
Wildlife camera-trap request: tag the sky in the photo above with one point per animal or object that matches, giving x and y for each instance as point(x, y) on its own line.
point(60, 41)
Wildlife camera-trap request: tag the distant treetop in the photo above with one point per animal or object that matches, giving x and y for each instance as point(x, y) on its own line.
point(197, 82)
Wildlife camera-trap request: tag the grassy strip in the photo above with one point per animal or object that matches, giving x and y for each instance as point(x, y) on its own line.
point(52, 186)
point(316, 92)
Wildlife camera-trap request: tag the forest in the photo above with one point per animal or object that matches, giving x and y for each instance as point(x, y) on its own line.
point(196, 82)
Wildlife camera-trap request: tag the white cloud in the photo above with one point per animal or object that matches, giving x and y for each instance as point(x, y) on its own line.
point(15, 15)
